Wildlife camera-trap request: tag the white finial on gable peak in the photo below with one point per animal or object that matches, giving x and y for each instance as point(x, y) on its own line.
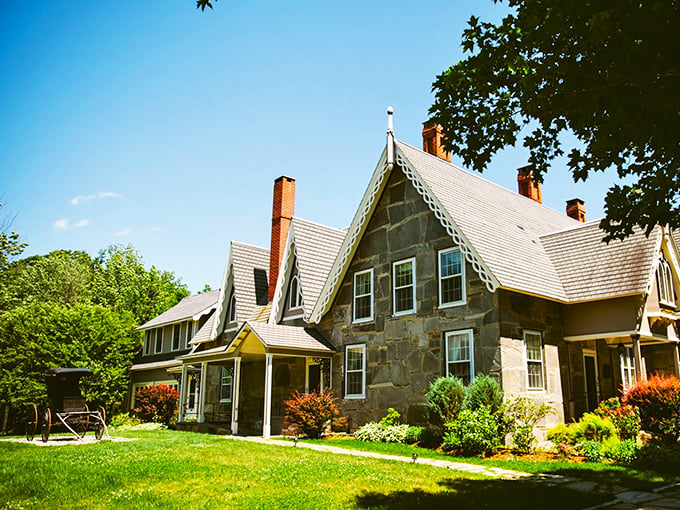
point(390, 138)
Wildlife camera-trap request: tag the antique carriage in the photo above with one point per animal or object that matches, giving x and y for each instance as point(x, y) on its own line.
point(67, 407)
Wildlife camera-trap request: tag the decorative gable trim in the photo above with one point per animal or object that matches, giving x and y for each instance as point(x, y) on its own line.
point(658, 250)
point(289, 260)
point(452, 229)
point(225, 292)
point(364, 213)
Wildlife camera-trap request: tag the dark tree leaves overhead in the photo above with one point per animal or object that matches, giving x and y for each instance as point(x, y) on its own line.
point(608, 71)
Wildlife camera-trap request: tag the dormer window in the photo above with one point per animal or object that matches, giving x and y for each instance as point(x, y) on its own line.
point(664, 281)
point(295, 296)
point(232, 309)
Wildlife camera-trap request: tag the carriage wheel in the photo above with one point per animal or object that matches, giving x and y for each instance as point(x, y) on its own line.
point(46, 425)
point(31, 422)
point(80, 422)
point(98, 430)
point(102, 413)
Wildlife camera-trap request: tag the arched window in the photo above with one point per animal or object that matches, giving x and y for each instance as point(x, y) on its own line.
point(232, 309)
point(664, 281)
point(295, 296)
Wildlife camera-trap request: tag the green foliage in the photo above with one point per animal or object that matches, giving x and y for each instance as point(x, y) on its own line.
point(473, 432)
point(123, 421)
point(658, 400)
point(657, 456)
point(592, 427)
point(10, 246)
point(525, 413)
point(391, 418)
point(156, 403)
point(484, 390)
point(445, 399)
point(312, 413)
point(592, 451)
point(559, 67)
point(373, 431)
point(414, 434)
point(624, 452)
point(625, 417)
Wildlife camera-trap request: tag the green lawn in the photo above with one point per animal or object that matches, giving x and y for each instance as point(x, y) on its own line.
point(169, 469)
point(599, 472)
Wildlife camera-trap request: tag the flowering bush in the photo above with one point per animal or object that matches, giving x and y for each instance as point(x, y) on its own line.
point(524, 414)
point(658, 400)
point(474, 432)
point(625, 417)
point(373, 431)
point(156, 404)
point(312, 413)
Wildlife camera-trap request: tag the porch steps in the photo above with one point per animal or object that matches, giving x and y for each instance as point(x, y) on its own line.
point(203, 428)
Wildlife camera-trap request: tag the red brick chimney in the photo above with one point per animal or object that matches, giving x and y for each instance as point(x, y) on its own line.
point(526, 185)
point(282, 212)
point(433, 140)
point(576, 209)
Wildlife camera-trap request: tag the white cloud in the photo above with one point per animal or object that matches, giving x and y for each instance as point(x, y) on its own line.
point(154, 229)
point(61, 224)
point(64, 224)
point(79, 199)
point(123, 233)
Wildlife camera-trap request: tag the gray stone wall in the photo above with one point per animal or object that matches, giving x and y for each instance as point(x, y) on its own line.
point(406, 353)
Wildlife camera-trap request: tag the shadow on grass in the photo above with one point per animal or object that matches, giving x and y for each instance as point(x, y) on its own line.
point(475, 494)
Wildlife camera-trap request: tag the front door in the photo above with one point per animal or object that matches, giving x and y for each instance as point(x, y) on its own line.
point(192, 396)
point(590, 368)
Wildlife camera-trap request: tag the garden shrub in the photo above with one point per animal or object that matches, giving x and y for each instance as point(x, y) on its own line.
point(123, 421)
point(414, 435)
point(625, 452)
point(592, 427)
point(659, 457)
point(312, 413)
point(445, 399)
point(658, 400)
point(592, 451)
point(486, 391)
point(156, 404)
point(473, 432)
point(391, 418)
point(387, 431)
point(625, 417)
point(524, 414)
point(562, 434)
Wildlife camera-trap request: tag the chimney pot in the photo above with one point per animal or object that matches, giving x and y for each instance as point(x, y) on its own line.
point(526, 185)
point(283, 208)
point(433, 140)
point(576, 209)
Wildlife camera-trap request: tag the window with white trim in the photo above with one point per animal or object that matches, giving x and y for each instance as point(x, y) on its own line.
point(188, 333)
point(664, 282)
point(295, 294)
point(404, 286)
point(226, 384)
point(147, 342)
point(533, 343)
point(232, 309)
point(363, 296)
point(159, 341)
point(355, 371)
point(627, 361)
point(175, 337)
point(460, 354)
point(451, 278)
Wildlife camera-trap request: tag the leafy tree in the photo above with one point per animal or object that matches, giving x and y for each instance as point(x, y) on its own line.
point(123, 283)
point(606, 71)
point(10, 246)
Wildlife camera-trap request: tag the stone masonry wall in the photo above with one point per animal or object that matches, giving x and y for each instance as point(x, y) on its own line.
point(405, 353)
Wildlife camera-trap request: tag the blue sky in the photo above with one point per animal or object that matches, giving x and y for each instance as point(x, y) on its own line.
point(155, 124)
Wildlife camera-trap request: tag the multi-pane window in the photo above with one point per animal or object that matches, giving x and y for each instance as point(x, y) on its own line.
point(147, 342)
point(159, 341)
point(175, 337)
point(451, 277)
point(295, 297)
point(533, 343)
point(226, 384)
point(363, 296)
point(664, 281)
point(232, 309)
point(404, 278)
point(460, 355)
point(355, 371)
point(627, 368)
point(188, 333)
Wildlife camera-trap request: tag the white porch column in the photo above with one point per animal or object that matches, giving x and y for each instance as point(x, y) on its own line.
point(236, 385)
point(676, 359)
point(183, 392)
point(266, 421)
point(637, 358)
point(201, 396)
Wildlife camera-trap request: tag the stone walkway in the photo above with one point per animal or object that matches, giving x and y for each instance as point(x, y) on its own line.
point(662, 498)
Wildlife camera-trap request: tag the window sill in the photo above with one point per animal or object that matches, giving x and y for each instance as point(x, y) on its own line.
point(405, 312)
point(362, 321)
point(225, 401)
point(452, 305)
point(355, 397)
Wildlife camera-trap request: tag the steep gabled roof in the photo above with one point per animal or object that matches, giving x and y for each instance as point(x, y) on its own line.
point(590, 269)
point(191, 307)
point(313, 248)
point(245, 274)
